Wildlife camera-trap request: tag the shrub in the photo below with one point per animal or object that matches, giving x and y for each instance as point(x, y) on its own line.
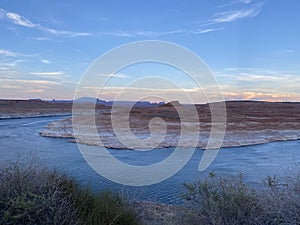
point(104, 208)
point(282, 201)
point(222, 201)
point(31, 195)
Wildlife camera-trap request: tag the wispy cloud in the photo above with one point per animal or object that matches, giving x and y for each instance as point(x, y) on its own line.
point(23, 21)
point(153, 34)
point(19, 20)
point(237, 2)
point(25, 89)
point(122, 76)
point(12, 63)
point(142, 33)
point(259, 84)
point(118, 34)
point(118, 75)
point(30, 82)
point(178, 31)
point(259, 77)
point(56, 75)
point(45, 61)
point(42, 38)
point(204, 31)
point(9, 53)
point(261, 96)
point(231, 16)
point(48, 73)
point(240, 9)
point(12, 54)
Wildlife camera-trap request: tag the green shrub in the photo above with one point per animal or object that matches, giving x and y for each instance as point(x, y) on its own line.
point(30, 195)
point(35, 196)
point(103, 208)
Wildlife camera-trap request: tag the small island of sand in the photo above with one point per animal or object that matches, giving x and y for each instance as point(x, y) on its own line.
point(248, 123)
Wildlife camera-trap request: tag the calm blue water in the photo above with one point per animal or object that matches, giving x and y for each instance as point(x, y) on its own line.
point(20, 141)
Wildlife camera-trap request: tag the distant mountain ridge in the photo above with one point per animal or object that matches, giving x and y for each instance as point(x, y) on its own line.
point(120, 103)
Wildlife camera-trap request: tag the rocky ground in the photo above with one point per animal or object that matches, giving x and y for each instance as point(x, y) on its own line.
point(247, 123)
point(151, 213)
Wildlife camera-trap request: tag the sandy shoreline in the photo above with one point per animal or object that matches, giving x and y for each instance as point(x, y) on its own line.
point(63, 129)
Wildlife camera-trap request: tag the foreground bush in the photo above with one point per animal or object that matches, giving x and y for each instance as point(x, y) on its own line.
point(31, 195)
point(221, 201)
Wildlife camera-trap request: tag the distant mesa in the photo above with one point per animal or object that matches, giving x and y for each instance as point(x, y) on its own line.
point(35, 100)
point(117, 103)
point(171, 104)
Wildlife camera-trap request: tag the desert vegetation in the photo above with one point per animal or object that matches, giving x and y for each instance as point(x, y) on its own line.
point(222, 201)
point(32, 195)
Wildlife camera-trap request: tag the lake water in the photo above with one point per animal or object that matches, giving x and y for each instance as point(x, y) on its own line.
point(20, 140)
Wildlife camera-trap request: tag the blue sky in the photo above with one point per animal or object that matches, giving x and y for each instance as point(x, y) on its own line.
point(252, 46)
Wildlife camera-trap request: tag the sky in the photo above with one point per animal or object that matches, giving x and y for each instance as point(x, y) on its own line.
point(252, 46)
